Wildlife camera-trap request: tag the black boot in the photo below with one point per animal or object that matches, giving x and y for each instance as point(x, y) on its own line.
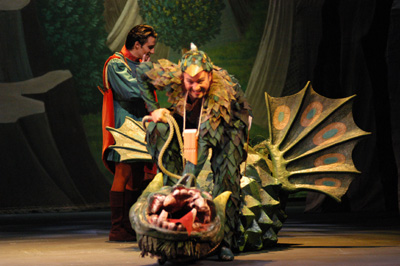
point(118, 232)
point(225, 254)
point(130, 198)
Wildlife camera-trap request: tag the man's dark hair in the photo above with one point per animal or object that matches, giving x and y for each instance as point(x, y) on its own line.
point(139, 33)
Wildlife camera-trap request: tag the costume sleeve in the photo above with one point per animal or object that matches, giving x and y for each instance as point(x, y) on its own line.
point(145, 86)
point(126, 87)
point(240, 97)
point(163, 75)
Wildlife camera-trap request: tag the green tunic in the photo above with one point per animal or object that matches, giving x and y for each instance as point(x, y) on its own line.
point(130, 99)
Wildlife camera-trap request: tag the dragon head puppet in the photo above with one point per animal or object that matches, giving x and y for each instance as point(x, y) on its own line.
point(180, 222)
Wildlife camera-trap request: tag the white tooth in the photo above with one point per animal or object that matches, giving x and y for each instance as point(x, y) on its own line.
point(195, 226)
point(153, 219)
point(199, 202)
point(157, 203)
point(180, 227)
point(163, 216)
point(155, 207)
point(176, 192)
point(169, 200)
point(165, 224)
point(194, 211)
point(172, 226)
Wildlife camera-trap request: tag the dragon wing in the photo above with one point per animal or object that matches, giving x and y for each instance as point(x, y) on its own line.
point(130, 141)
point(309, 144)
point(310, 140)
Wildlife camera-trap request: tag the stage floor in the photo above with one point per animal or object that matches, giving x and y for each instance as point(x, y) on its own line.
point(81, 238)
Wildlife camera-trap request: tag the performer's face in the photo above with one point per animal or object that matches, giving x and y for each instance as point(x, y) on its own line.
point(198, 85)
point(146, 49)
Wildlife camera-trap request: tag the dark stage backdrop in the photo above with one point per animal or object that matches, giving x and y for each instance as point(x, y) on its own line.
point(339, 45)
point(46, 164)
point(351, 60)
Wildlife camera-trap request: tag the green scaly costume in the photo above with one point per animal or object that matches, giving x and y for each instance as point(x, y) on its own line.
point(223, 129)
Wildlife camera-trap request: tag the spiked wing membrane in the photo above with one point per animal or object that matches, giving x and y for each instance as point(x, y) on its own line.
point(309, 146)
point(130, 141)
point(310, 141)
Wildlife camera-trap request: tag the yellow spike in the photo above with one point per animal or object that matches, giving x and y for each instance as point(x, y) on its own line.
point(221, 200)
point(155, 185)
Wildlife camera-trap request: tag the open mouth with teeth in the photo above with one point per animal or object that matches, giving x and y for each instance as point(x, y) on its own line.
point(178, 223)
point(184, 209)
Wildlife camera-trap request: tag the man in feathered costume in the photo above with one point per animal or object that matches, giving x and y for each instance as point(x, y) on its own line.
point(208, 101)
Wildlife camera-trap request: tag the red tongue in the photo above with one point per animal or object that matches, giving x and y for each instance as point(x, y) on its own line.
point(186, 221)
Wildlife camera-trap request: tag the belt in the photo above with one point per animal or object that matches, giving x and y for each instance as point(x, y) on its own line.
point(135, 107)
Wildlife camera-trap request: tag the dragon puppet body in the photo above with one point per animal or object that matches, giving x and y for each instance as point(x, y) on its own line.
point(308, 146)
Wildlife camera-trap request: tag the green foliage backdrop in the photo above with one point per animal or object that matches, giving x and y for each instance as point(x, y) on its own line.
point(76, 38)
point(180, 22)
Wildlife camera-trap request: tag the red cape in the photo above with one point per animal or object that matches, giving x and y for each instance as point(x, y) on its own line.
point(107, 117)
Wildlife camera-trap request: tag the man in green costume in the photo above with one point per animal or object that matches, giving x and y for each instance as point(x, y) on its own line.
point(122, 97)
point(208, 100)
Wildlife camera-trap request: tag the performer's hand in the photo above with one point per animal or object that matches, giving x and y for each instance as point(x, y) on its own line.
point(250, 121)
point(159, 115)
point(145, 58)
